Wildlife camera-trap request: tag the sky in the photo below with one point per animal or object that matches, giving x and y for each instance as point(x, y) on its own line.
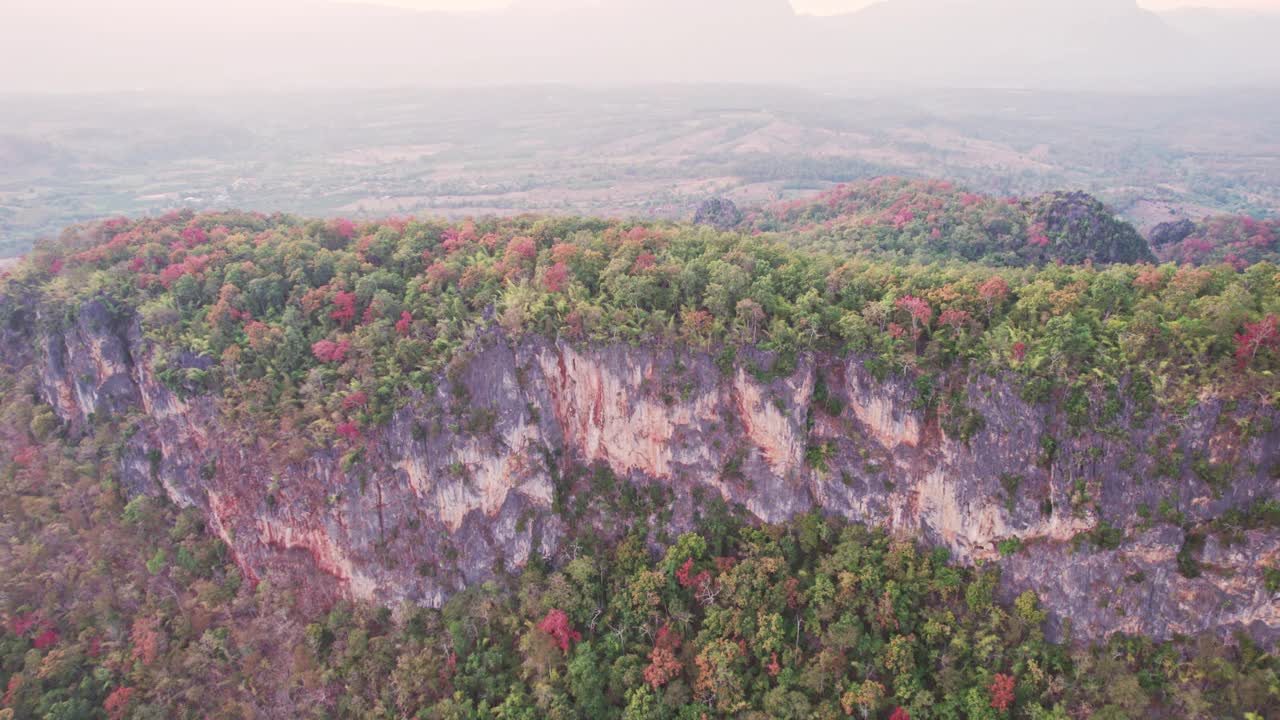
point(834, 6)
point(109, 45)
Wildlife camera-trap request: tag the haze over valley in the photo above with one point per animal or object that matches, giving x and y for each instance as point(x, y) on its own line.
point(655, 151)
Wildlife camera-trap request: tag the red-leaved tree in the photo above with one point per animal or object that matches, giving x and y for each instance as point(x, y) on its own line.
point(1150, 279)
point(1002, 692)
point(328, 351)
point(25, 456)
point(348, 430)
point(643, 262)
point(919, 311)
point(563, 252)
point(774, 667)
point(46, 639)
point(344, 228)
point(682, 573)
point(955, 319)
point(664, 661)
point(146, 638)
point(686, 577)
point(438, 276)
point(556, 278)
point(556, 624)
point(1036, 235)
point(993, 292)
point(117, 703)
point(261, 335)
point(344, 304)
point(15, 684)
point(1257, 336)
point(195, 236)
point(520, 250)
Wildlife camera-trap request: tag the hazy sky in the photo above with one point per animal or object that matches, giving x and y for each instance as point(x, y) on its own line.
point(830, 6)
point(108, 45)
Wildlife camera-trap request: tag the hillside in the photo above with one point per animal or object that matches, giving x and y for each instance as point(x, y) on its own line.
point(573, 467)
point(654, 152)
point(1235, 240)
point(932, 220)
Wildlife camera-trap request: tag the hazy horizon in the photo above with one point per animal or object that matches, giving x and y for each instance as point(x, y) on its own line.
point(817, 7)
point(67, 46)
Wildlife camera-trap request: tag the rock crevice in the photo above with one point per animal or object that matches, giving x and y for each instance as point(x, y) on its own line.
point(432, 508)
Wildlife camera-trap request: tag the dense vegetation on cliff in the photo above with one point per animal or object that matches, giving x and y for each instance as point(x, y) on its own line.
point(128, 609)
point(328, 323)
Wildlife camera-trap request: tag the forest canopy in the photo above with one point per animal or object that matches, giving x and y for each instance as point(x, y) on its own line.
point(128, 607)
point(284, 315)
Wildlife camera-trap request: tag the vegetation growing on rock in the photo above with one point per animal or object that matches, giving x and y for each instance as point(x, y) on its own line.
point(288, 317)
point(930, 220)
point(119, 608)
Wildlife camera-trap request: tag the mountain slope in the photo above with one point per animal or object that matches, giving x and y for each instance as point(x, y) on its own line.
point(263, 466)
point(397, 411)
point(1236, 240)
point(129, 607)
point(929, 220)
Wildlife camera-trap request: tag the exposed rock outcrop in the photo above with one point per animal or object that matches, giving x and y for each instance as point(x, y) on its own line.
point(719, 213)
point(1096, 234)
point(1170, 233)
point(429, 506)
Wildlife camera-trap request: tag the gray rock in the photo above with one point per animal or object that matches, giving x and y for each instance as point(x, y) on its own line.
point(432, 507)
point(720, 213)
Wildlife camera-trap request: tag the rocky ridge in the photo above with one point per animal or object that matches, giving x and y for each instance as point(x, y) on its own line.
point(464, 482)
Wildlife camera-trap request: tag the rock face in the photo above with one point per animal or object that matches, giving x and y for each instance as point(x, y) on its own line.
point(462, 483)
point(1097, 235)
point(1170, 233)
point(719, 213)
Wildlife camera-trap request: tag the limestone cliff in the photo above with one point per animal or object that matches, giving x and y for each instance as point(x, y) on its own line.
point(430, 506)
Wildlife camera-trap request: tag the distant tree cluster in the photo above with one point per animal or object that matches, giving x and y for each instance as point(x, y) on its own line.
point(1235, 240)
point(933, 220)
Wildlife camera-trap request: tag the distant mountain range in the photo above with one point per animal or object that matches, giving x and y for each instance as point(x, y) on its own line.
point(73, 45)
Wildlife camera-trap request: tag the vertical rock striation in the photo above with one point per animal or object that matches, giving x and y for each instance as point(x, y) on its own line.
point(431, 507)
